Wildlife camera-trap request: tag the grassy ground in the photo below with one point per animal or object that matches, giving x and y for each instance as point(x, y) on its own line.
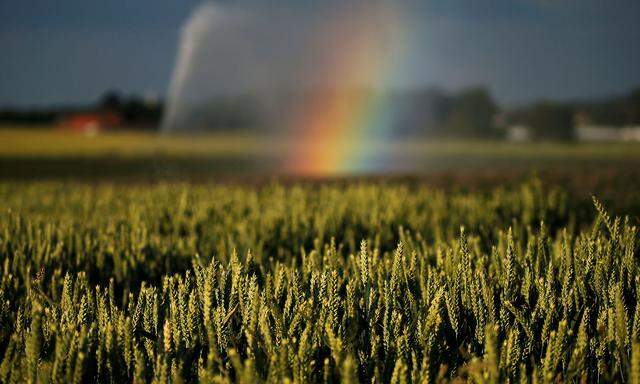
point(46, 142)
point(45, 153)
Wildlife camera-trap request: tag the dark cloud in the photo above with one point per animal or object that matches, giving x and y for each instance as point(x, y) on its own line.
point(524, 49)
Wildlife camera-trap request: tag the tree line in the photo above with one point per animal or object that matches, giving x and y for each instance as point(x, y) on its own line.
point(431, 112)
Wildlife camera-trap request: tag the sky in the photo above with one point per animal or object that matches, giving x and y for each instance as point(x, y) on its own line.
point(72, 51)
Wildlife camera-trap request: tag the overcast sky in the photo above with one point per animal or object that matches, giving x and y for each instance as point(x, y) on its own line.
point(55, 52)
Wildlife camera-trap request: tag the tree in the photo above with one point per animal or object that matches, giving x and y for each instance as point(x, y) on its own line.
point(111, 100)
point(471, 114)
point(549, 120)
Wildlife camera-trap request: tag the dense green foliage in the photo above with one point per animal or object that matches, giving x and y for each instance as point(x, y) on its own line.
point(313, 283)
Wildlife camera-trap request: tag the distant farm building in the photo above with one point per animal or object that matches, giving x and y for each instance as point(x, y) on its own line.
point(630, 133)
point(90, 122)
point(518, 133)
point(607, 133)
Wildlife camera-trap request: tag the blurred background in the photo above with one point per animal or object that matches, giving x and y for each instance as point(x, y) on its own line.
point(252, 90)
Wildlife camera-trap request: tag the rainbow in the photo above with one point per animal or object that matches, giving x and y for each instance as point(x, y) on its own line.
point(363, 54)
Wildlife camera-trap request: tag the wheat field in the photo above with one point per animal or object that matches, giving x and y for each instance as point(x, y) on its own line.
point(308, 283)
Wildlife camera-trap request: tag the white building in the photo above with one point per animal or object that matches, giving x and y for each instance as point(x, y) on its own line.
point(607, 133)
point(518, 134)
